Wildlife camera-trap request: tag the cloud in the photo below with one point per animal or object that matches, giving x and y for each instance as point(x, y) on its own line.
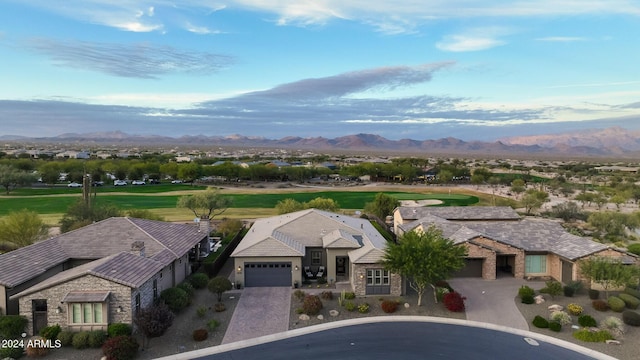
point(141, 60)
point(561, 39)
point(461, 43)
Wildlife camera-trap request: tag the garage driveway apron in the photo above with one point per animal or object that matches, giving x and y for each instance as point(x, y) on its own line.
point(260, 311)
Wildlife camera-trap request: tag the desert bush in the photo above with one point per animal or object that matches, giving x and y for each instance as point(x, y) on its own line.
point(349, 306)
point(97, 338)
point(50, 332)
point(200, 334)
point(11, 352)
point(594, 294)
point(576, 285)
point(199, 280)
point(119, 329)
point(65, 337)
point(213, 324)
point(122, 347)
point(12, 326)
point(631, 318)
point(632, 291)
point(322, 280)
point(299, 294)
point(555, 326)
point(326, 295)
point(311, 305)
point(389, 306)
point(175, 298)
point(188, 288)
point(561, 317)
point(349, 295)
point(540, 322)
point(440, 292)
point(574, 309)
point(527, 299)
point(454, 302)
point(587, 321)
point(80, 340)
point(600, 305)
point(634, 248)
point(219, 307)
point(443, 284)
point(568, 291)
point(630, 301)
point(553, 288)
point(363, 308)
point(525, 290)
point(36, 348)
point(613, 324)
point(616, 304)
point(201, 311)
point(592, 336)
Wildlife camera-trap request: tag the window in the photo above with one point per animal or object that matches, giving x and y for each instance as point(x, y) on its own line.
point(137, 302)
point(535, 264)
point(87, 313)
point(377, 277)
point(316, 257)
point(155, 289)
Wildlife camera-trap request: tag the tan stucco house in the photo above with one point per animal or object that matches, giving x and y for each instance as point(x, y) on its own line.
point(345, 250)
point(500, 242)
point(99, 274)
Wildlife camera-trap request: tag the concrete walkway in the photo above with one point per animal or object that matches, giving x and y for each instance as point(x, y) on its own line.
point(260, 311)
point(492, 301)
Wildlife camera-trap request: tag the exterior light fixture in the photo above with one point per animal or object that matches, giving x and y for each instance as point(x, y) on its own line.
point(59, 310)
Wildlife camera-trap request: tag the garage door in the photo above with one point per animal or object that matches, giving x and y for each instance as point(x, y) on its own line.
point(472, 268)
point(267, 274)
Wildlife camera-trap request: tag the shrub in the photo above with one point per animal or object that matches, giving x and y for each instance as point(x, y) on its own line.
point(175, 298)
point(299, 311)
point(97, 338)
point(574, 309)
point(525, 291)
point(568, 291)
point(632, 291)
point(119, 329)
point(349, 306)
point(363, 308)
point(631, 318)
point(50, 332)
point(123, 347)
point(440, 292)
point(326, 295)
point(65, 337)
point(200, 334)
point(311, 305)
point(555, 326)
point(299, 294)
point(35, 348)
point(600, 305)
point(613, 324)
point(201, 311)
point(218, 285)
point(561, 317)
point(322, 280)
point(188, 288)
point(630, 301)
point(587, 321)
point(553, 288)
point(213, 324)
point(592, 336)
point(153, 321)
point(616, 304)
point(454, 302)
point(199, 280)
point(634, 248)
point(350, 295)
point(11, 352)
point(594, 294)
point(540, 322)
point(576, 285)
point(80, 340)
point(219, 307)
point(527, 299)
point(443, 284)
point(389, 306)
point(12, 326)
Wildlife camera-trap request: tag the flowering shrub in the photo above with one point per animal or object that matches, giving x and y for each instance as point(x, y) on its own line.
point(363, 308)
point(574, 309)
point(561, 317)
point(120, 348)
point(454, 302)
point(389, 306)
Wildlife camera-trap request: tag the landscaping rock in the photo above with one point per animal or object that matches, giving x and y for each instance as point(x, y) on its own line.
point(304, 317)
point(555, 307)
point(334, 313)
point(406, 305)
point(320, 317)
point(539, 299)
point(613, 342)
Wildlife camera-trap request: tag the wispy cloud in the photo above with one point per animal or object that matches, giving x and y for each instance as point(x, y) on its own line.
point(561, 39)
point(476, 39)
point(141, 60)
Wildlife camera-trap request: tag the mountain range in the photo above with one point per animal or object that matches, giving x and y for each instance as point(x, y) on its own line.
point(613, 142)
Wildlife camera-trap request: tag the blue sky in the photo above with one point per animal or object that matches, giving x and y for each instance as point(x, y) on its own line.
point(474, 70)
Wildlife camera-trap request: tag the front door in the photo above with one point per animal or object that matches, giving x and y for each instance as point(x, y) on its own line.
point(341, 265)
point(39, 308)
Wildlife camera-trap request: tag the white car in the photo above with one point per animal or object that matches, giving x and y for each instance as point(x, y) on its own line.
point(138, 182)
point(74, 185)
point(176, 181)
point(119, 183)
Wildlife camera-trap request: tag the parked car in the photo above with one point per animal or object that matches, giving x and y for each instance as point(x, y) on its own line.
point(119, 183)
point(176, 181)
point(138, 182)
point(97, 183)
point(74, 185)
point(154, 181)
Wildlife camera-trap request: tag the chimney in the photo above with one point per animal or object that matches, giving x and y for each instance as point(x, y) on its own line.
point(205, 225)
point(137, 248)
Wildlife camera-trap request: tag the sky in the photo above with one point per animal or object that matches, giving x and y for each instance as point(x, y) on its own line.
point(402, 69)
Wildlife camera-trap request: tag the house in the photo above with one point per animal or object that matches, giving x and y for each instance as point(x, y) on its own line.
point(99, 274)
point(346, 250)
point(499, 242)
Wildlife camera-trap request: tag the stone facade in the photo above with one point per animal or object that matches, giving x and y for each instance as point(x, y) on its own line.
point(359, 280)
point(505, 250)
point(488, 256)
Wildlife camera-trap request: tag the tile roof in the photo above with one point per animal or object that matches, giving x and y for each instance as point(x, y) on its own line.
point(459, 212)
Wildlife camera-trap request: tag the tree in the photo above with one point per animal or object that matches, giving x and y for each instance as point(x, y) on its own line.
point(144, 214)
point(612, 224)
point(49, 172)
point(321, 203)
point(22, 228)
point(424, 258)
point(11, 178)
point(205, 205)
point(81, 214)
point(382, 205)
point(609, 273)
point(289, 205)
point(153, 321)
point(189, 172)
point(518, 186)
point(218, 285)
point(229, 226)
point(533, 200)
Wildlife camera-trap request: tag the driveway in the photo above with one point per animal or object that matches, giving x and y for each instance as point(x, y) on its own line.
point(260, 311)
point(492, 301)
